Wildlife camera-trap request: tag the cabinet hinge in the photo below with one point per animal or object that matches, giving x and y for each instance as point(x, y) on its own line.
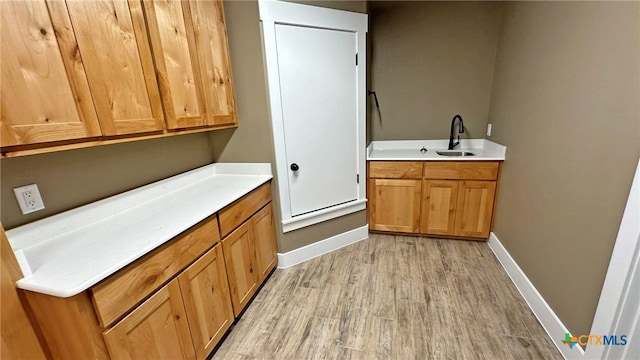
point(358, 178)
point(356, 59)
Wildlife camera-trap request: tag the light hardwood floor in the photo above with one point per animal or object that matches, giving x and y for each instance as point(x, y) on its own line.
point(391, 297)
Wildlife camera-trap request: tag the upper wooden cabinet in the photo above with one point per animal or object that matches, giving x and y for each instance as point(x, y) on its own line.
point(192, 59)
point(115, 50)
point(96, 70)
point(45, 94)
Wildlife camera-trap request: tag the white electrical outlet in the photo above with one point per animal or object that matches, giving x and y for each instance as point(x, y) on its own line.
point(489, 130)
point(29, 198)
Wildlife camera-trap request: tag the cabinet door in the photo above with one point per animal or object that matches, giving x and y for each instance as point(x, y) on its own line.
point(157, 329)
point(191, 56)
point(265, 241)
point(474, 208)
point(215, 64)
point(439, 207)
point(113, 43)
point(239, 259)
point(395, 205)
point(172, 38)
point(205, 292)
point(45, 94)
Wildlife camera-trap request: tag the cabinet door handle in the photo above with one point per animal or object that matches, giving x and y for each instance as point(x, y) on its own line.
point(295, 167)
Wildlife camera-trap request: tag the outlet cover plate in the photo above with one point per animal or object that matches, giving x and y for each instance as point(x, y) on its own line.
point(29, 198)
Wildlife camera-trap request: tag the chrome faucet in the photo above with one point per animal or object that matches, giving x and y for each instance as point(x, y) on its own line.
point(460, 131)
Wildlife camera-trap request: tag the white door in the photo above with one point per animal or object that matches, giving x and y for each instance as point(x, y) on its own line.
point(317, 90)
point(319, 108)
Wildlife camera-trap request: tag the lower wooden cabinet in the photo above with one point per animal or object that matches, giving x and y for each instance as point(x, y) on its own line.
point(265, 242)
point(394, 205)
point(205, 292)
point(474, 208)
point(240, 259)
point(439, 202)
point(176, 302)
point(157, 329)
point(452, 198)
point(457, 208)
point(183, 320)
point(250, 255)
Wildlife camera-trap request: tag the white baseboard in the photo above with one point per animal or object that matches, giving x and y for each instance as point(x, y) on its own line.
point(549, 320)
point(316, 249)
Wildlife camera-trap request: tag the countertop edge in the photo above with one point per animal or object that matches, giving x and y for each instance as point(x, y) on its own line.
point(260, 172)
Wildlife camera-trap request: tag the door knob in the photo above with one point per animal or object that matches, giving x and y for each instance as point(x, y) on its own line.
point(295, 167)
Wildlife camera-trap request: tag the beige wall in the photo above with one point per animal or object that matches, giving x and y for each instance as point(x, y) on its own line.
point(73, 178)
point(430, 61)
point(566, 103)
point(252, 140)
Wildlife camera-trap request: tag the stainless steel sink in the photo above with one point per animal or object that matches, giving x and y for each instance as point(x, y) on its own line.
point(455, 153)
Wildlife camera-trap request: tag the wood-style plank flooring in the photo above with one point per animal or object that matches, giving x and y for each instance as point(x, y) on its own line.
point(391, 297)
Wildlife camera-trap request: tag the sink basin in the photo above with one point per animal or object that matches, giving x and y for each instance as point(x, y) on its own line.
point(455, 153)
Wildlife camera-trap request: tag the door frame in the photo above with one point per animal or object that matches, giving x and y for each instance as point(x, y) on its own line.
point(613, 304)
point(280, 12)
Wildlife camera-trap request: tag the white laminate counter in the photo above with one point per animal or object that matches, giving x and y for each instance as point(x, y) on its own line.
point(68, 253)
point(410, 150)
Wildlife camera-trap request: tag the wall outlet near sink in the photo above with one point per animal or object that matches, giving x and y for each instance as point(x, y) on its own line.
point(488, 129)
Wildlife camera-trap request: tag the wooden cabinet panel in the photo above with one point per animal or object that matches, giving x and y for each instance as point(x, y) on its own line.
point(69, 326)
point(395, 169)
point(122, 291)
point(157, 329)
point(19, 340)
point(191, 54)
point(215, 64)
point(475, 208)
point(113, 43)
point(239, 259)
point(439, 207)
point(172, 37)
point(205, 292)
point(235, 214)
point(39, 59)
point(395, 205)
point(265, 242)
point(462, 170)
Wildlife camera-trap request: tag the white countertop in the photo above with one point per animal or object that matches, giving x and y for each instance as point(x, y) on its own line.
point(410, 150)
point(68, 253)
